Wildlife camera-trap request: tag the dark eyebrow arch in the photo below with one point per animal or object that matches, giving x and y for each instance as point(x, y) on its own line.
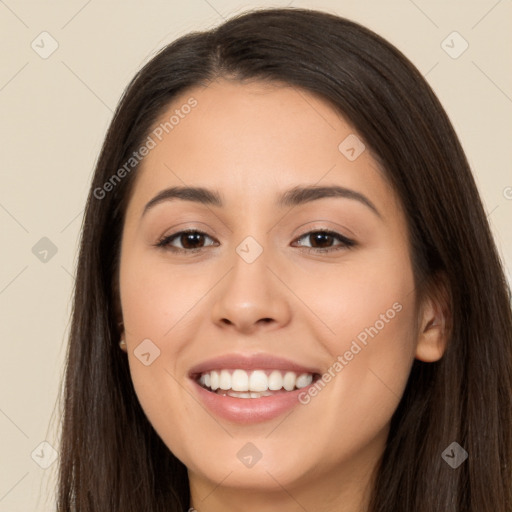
point(301, 195)
point(293, 197)
point(196, 194)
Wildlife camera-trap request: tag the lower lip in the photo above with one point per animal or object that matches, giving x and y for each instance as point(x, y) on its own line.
point(249, 410)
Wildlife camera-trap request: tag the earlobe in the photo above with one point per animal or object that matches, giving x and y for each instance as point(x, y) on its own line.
point(432, 342)
point(122, 341)
point(433, 326)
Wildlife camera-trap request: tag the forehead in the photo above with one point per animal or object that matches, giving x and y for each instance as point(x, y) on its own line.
point(256, 139)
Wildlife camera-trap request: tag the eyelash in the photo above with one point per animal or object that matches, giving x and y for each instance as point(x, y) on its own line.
point(345, 243)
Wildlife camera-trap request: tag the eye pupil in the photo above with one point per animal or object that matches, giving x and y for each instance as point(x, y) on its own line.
point(192, 238)
point(323, 238)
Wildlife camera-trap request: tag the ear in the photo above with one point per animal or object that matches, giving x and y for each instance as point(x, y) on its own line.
point(119, 316)
point(434, 320)
point(122, 336)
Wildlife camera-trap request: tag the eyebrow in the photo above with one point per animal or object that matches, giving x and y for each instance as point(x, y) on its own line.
point(292, 197)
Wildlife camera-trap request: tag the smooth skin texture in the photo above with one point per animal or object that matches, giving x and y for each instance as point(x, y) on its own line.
point(251, 142)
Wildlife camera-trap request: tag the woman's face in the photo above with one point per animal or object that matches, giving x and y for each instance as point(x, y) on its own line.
point(260, 296)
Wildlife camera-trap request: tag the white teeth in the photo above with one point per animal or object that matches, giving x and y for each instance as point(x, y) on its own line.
point(214, 380)
point(275, 381)
point(239, 381)
point(258, 381)
point(255, 384)
point(258, 395)
point(236, 394)
point(225, 380)
point(303, 380)
point(205, 380)
point(289, 381)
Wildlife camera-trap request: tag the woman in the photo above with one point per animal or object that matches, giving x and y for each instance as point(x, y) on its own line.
point(287, 295)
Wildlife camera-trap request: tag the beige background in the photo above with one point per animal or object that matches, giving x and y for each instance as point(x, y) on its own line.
point(54, 113)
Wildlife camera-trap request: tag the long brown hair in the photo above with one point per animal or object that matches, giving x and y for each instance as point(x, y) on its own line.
point(112, 459)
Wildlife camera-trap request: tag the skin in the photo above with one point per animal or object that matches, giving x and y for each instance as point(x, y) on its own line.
point(251, 142)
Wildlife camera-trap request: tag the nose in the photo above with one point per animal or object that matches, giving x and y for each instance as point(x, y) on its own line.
point(251, 297)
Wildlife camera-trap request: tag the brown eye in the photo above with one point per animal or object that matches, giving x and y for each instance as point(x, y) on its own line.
point(325, 240)
point(321, 240)
point(189, 241)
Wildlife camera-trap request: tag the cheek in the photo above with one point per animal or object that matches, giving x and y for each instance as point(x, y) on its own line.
point(374, 311)
point(368, 297)
point(160, 303)
point(156, 299)
point(376, 359)
point(370, 310)
point(155, 302)
point(371, 354)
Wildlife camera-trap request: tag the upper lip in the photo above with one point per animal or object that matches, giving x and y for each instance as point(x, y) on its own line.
point(258, 361)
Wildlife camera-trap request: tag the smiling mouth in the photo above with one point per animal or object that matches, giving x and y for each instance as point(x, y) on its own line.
point(238, 383)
